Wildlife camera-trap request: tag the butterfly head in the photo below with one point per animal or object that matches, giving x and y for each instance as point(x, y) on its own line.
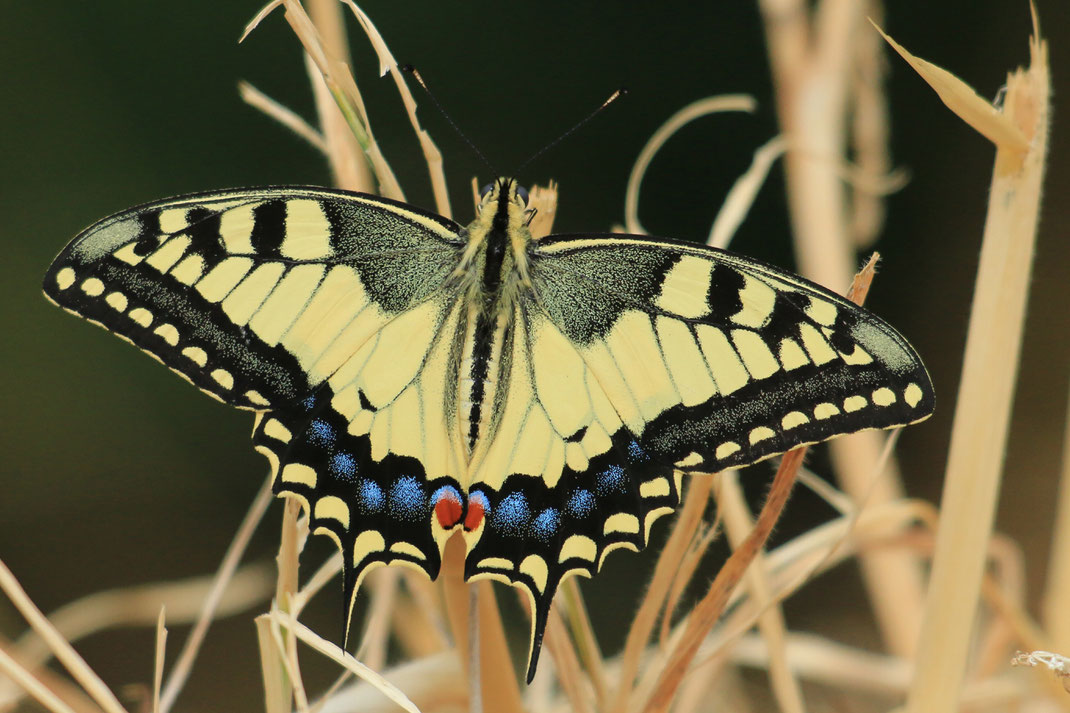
point(503, 188)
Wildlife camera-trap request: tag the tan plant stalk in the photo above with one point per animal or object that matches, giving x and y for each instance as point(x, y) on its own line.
point(993, 343)
point(1057, 586)
point(811, 55)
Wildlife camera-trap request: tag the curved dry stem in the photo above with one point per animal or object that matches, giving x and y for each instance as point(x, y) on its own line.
point(695, 110)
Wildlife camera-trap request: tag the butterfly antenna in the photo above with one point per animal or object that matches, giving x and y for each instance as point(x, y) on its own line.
point(612, 98)
point(409, 69)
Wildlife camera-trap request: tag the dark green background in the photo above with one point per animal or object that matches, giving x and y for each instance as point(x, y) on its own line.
point(114, 472)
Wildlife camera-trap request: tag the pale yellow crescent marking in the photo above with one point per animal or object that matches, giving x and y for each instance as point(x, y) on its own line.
point(758, 299)
point(224, 378)
point(308, 233)
point(725, 365)
point(247, 297)
point(168, 333)
point(819, 350)
point(659, 487)
point(822, 312)
point(825, 410)
point(580, 547)
point(575, 457)
point(196, 355)
point(686, 365)
point(912, 395)
point(285, 302)
point(759, 361)
point(236, 229)
point(760, 433)
point(791, 355)
point(117, 300)
point(535, 567)
point(256, 398)
point(330, 507)
point(141, 316)
point(168, 253)
point(685, 287)
point(93, 287)
point(651, 518)
point(793, 419)
point(621, 522)
point(189, 270)
point(857, 357)
point(407, 548)
point(691, 459)
point(726, 449)
point(883, 396)
point(367, 543)
point(299, 473)
point(854, 403)
point(222, 278)
point(128, 254)
point(65, 278)
point(617, 546)
point(494, 563)
point(172, 220)
point(274, 429)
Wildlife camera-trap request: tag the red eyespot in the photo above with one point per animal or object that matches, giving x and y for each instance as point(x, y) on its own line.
point(447, 508)
point(475, 512)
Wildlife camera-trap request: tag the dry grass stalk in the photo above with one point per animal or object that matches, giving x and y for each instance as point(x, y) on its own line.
point(695, 110)
point(993, 342)
point(61, 648)
point(812, 55)
point(1057, 586)
point(737, 523)
point(235, 551)
point(161, 651)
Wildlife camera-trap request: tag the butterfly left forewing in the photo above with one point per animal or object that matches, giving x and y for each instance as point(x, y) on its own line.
point(243, 292)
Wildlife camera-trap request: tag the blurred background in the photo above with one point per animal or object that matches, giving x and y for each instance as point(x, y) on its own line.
point(113, 472)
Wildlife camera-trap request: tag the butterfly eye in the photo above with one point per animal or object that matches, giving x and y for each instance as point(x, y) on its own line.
point(485, 190)
point(522, 193)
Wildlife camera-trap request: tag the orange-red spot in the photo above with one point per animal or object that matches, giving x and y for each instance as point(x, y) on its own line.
point(448, 510)
point(474, 515)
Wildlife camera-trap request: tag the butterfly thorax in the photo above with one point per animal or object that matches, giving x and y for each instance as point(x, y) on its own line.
point(494, 272)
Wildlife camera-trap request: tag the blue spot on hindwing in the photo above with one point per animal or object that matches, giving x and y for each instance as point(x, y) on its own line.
point(636, 453)
point(407, 499)
point(544, 526)
point(511, 514)
point(369, 497)
point(611, 480)
point(343, 466)
point(580, 503)
point(320, 434)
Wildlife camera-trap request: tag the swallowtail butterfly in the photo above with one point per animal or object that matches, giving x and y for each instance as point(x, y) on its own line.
point(412, 378)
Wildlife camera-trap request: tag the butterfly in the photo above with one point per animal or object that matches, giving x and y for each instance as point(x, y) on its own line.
point(412, 379)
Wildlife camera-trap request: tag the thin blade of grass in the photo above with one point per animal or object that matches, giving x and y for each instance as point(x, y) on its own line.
point(387, 63)
point(161, 651)
point(586, 643)
point(282, 114)
point(64, 652)
point(277, 696)
point(341, 657)
point(235, 551)
point(27, 682)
